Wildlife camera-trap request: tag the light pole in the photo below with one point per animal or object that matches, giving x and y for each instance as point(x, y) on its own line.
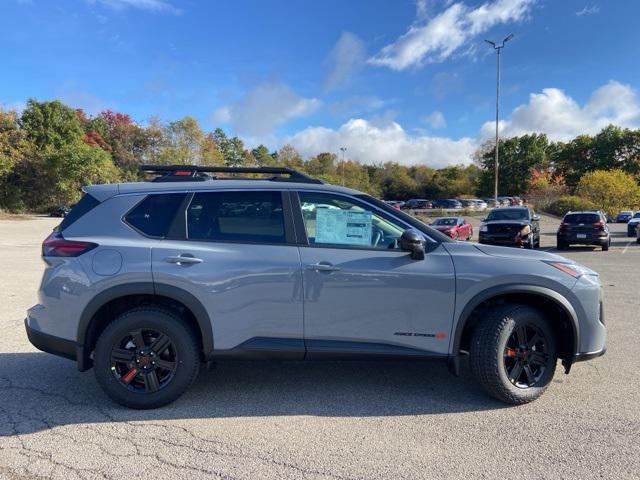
point(497, 48)
point(343, 149)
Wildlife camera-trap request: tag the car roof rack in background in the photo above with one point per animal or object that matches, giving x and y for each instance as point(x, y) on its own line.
point(196, 173)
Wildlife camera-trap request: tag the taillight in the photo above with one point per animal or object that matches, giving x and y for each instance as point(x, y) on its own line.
point(599, 224)
point(55, 245)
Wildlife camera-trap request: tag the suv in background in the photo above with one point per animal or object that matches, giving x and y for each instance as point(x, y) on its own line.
point(511, 226)
point(447, 204)
point(417, 204)
point(632, 225)
point(583, 228)
point(145, 281)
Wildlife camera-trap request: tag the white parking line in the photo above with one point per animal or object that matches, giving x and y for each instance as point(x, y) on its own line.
point(627, 246)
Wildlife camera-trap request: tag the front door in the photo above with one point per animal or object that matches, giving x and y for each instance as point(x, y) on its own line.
point(239, 259)
point(362, 294)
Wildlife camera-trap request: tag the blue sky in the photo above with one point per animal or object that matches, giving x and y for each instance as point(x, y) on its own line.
point(403, 80)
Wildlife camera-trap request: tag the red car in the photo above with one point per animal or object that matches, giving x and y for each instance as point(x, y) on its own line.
point(455, 227)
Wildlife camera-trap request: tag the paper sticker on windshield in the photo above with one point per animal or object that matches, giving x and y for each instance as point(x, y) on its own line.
point(343, 227)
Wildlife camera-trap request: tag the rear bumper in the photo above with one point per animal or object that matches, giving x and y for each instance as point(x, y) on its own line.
point(588, 240)
point(50, 344)
point(583, 357)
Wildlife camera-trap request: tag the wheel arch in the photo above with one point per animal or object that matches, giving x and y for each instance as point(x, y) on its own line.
point(131, 294)
point(554, 305)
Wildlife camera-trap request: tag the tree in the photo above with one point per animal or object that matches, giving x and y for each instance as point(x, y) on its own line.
point(185, 139)
point(288, 156)
point(262, 156)
point(518, 157)
point(51, 125)
point(611, 190)
point(232, 149)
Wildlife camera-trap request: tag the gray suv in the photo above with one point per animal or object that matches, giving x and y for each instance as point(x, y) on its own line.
point(147, 281)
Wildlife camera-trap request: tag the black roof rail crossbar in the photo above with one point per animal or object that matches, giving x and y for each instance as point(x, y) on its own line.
point(172, 173)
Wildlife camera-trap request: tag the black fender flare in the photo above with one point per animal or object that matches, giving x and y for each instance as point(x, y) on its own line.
point(144, 288)
point(549, 294)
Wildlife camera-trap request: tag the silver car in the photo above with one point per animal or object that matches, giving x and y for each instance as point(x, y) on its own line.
point(147, 281)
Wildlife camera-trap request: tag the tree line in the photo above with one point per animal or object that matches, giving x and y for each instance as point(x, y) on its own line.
point(49, 150)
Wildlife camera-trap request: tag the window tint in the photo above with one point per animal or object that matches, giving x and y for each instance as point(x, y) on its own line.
point(86, 203)
point(445, 221)
point(253, 217)
point(336, 220)
point(509, 214)
point(153, 216)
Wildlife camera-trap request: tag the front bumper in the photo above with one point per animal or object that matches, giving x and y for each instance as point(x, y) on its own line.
point(502, 239)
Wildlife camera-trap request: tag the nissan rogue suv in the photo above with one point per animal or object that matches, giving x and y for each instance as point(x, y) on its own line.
point(144, 282)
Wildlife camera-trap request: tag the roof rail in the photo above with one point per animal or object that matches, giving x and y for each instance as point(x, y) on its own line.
point(190, 173)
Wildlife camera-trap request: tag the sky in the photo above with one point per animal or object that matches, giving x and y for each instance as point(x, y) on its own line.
point(410, 81)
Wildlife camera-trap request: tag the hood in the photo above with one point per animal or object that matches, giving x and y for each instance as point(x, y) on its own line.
point(519, 253)
point(442, 228)
point(507, 222)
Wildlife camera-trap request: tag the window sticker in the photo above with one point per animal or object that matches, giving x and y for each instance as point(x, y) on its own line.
point(343, 227)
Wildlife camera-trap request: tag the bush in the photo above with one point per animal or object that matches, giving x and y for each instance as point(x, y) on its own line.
point(611, 190)
point(569, 203)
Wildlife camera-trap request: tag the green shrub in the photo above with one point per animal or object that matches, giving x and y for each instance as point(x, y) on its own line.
point(569, 203)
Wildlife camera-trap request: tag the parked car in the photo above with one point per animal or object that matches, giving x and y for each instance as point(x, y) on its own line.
point(491, 203)
point(469, 204)
point(146, 281)
point(454, 227)
point(59, 211)
point(583, 228)
point(624, 216)
point(417, 204)
point(447, 204)
point(397, 204)
point(637, 235)
point(512, 226)
point(632, 225)
point(480, 204)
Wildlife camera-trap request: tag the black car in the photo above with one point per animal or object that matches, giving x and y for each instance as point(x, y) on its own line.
point(417, 204)
point(60, 211)
point(512, 226)
point(447, 204)
point(583, 228)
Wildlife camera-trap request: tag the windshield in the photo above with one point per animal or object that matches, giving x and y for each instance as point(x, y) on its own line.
point(444, 221)
point(509, 214)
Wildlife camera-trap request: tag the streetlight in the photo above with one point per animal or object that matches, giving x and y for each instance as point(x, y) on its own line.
point(497, 48)
point(343, 149)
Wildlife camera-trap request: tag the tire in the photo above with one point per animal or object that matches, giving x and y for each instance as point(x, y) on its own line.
point(124, 381)
point(529, 245)
point(491, 350)
point(562, 246)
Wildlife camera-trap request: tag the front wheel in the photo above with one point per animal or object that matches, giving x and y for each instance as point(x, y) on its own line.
point(513, 353)
point(147, 357)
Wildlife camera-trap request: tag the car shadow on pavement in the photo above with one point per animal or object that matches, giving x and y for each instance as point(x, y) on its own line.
point(39, 391)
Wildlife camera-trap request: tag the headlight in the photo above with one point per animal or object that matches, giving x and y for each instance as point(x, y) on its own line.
point(526, 230)
point(483, 227)
point(573, 269)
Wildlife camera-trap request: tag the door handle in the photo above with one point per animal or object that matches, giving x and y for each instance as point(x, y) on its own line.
point(323, 267)
point(183, 260)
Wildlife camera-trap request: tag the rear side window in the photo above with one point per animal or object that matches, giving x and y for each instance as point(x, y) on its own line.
point(86, 203)
point(154, 215)
point(252, 217)
point(582, 218)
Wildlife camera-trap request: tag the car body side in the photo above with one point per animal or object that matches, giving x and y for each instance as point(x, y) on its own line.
point(74, 289)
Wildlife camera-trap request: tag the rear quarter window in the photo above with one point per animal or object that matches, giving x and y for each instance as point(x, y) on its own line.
point(154, 215)
point(85, 205)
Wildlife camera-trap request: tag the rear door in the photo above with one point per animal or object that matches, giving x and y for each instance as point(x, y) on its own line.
point(237, 255)
point(363, 295)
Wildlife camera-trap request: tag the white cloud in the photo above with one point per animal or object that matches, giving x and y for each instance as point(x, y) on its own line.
point(372, 142)
point(356, 105)
point(562, 118)
point(150, 5)
point(261, 110)
point(76, 97)
point(588, 10)
point(435, 119)
point(344, 61)
point(435, 39)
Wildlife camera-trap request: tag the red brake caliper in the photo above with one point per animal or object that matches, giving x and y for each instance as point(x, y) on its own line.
point(510, 352)
point(130, 375)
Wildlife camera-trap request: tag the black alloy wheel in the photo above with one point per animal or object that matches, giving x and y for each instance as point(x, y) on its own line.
point(144, 360)
point(526, 356)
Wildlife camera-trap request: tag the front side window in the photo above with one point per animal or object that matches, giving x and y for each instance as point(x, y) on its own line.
point(251, 217)
point(334, 220)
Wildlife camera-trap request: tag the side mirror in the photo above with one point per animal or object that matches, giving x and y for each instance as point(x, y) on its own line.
point(535, 218)
point(413, 241)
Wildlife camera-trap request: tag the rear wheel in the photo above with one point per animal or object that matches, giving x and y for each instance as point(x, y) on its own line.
point(605, 246)
point(513, 353)
point(147, 357)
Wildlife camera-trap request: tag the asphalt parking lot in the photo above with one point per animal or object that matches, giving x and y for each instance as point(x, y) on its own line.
point(324, 420)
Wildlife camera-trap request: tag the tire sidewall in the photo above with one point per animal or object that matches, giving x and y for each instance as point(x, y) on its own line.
point(164, 322)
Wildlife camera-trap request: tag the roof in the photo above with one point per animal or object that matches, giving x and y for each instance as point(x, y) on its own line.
point(104, 191)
